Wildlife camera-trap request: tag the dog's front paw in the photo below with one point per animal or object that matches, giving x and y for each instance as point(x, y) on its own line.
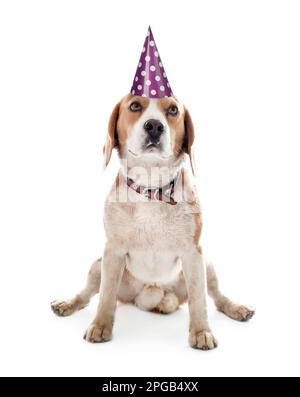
point(202, 339)
point(97, 333)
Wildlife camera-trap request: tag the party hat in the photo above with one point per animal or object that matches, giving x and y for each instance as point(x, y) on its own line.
point(150, 78)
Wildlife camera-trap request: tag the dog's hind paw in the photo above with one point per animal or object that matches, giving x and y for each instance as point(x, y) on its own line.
point(63, 308)
point(234, 310)
point(243, 313)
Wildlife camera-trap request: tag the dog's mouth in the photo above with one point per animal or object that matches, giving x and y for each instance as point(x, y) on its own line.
point(148, 147)
point(152, 145)
point(153, 148)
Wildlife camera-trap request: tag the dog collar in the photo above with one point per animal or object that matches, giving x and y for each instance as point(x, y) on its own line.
point(165, 193)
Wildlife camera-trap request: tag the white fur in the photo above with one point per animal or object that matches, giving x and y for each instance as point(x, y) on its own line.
point(153, 266)
point(149, 297)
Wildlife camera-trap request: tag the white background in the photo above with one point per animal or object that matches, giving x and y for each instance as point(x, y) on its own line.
point(63, 66)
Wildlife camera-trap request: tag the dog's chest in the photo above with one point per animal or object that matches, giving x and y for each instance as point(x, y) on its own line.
point(149, 224)
point(155, 235)
point(153, 266)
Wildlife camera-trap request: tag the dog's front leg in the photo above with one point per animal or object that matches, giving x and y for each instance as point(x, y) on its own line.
point(200, 335)
point(113, 262)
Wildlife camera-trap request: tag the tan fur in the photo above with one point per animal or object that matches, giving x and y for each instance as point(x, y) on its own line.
point(153, 256)
point(190, 136)
point(111, 139)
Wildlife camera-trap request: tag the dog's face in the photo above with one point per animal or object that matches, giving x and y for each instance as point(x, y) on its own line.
point(153, 132)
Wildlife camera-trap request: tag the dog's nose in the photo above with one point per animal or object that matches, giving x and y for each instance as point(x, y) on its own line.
point(154, 129)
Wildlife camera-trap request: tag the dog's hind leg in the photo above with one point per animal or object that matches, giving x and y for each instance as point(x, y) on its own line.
point(174, 296)
point(82, 299)
point(149, 297)
point(165, 299)
point(224, 304)
point(168, 304)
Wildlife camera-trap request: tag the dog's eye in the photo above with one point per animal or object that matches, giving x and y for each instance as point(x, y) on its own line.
point(173, 110)
point(135, 107)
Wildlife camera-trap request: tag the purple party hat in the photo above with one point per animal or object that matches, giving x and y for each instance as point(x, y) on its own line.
point(150, 79)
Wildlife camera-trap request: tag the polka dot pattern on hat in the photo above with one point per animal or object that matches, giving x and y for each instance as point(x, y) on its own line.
point(150, 79)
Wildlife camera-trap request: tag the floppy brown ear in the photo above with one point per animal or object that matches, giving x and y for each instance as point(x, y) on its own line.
point(189, 137)
point(112, 136)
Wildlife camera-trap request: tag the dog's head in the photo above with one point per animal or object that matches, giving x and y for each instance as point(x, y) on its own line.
point(150, 132)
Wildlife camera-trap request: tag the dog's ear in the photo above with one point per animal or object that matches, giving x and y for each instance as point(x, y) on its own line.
point(112, 135)
point(189, 136)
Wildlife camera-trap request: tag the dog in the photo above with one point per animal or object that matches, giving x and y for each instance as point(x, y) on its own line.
point(153, 256)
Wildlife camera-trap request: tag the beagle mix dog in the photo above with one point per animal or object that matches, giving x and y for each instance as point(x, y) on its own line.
point(152, 257)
